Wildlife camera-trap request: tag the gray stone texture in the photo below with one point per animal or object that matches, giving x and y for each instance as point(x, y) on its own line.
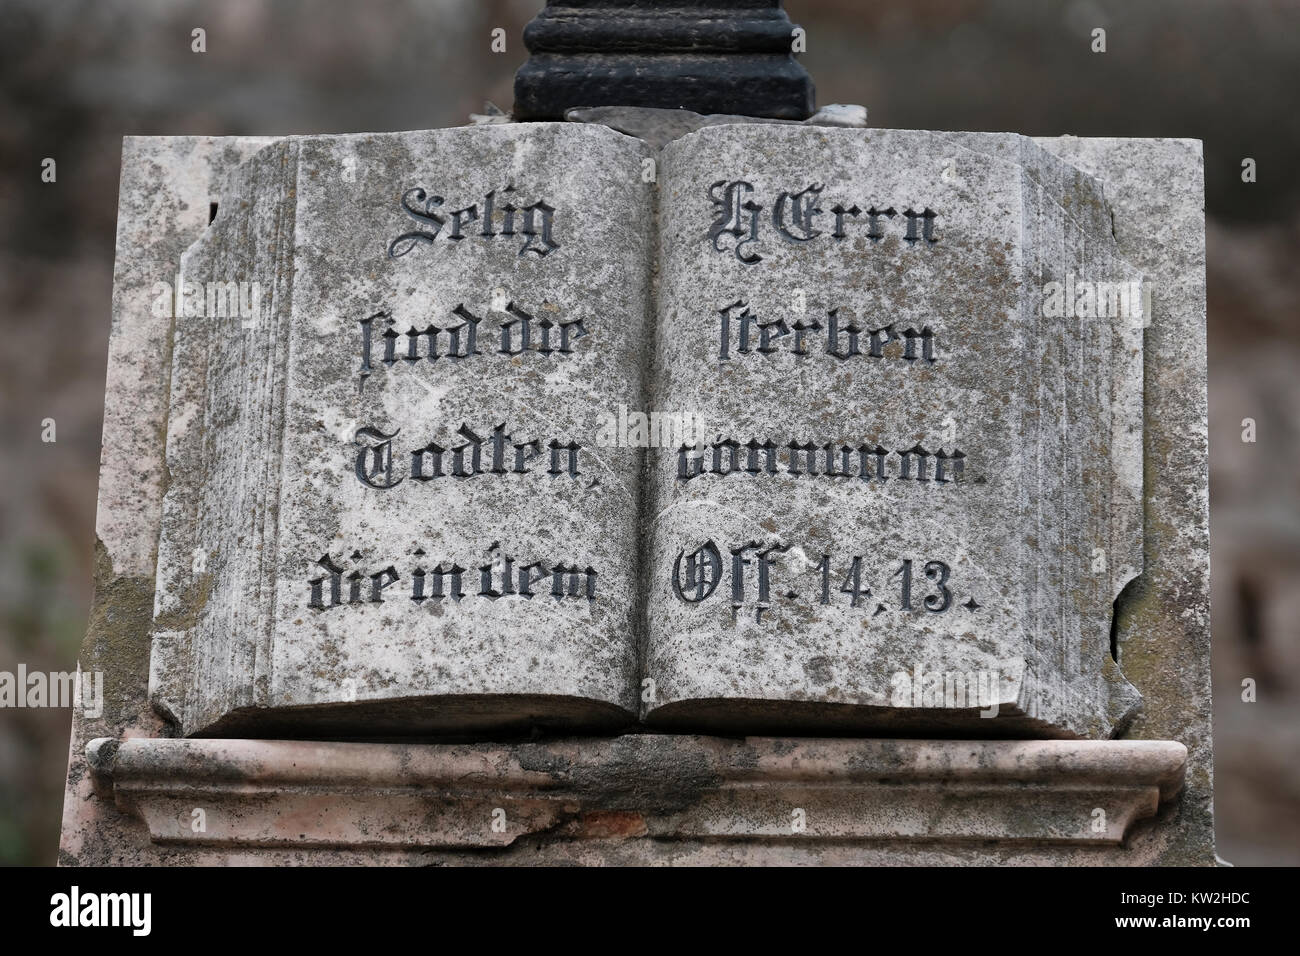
point(272, 421)
point(1037, 533)
point(1157, 190)
point(1150, 189)
point(692, 799)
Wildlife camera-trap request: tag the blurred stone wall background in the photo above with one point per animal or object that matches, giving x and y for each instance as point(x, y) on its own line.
point(76, 75)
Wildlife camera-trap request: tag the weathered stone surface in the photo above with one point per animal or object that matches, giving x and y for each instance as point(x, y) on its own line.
point(377, 498)
point(978, 513)
point(982, 448)
point(659, 127)
point(1152, 189)
point(339, 796)
point(158, 217)
point(1157, 190)
point(168, 185)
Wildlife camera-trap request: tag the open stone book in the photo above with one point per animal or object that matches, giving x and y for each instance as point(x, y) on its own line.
point(783, 428)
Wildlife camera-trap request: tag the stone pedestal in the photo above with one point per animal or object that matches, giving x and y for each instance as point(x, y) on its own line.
point(639, 799)
point(194, 643)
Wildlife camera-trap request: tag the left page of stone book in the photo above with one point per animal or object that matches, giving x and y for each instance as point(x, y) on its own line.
point(392, 507)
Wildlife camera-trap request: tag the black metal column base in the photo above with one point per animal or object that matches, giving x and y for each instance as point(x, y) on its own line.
point(728, 57)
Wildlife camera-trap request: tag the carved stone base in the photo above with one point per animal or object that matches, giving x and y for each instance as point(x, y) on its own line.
point(640, 798)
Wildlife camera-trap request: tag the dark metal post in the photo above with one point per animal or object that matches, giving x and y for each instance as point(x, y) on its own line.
point(708, 56)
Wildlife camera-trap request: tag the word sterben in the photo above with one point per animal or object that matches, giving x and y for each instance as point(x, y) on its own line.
point(795, 219)
point(743, 330)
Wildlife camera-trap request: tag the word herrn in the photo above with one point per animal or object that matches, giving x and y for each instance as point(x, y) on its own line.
point(794, 218)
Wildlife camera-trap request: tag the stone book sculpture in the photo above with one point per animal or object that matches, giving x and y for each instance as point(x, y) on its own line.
point(516, 440)
point(708, 484)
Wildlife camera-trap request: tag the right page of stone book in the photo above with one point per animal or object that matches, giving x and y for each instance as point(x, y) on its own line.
point(916, 494)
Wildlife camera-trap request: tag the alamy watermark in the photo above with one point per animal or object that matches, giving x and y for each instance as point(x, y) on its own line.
point(621, 428)
point(228, 299)
point(1081, 298)
point(130, 910)
point(25, 688)
point(947, 689)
